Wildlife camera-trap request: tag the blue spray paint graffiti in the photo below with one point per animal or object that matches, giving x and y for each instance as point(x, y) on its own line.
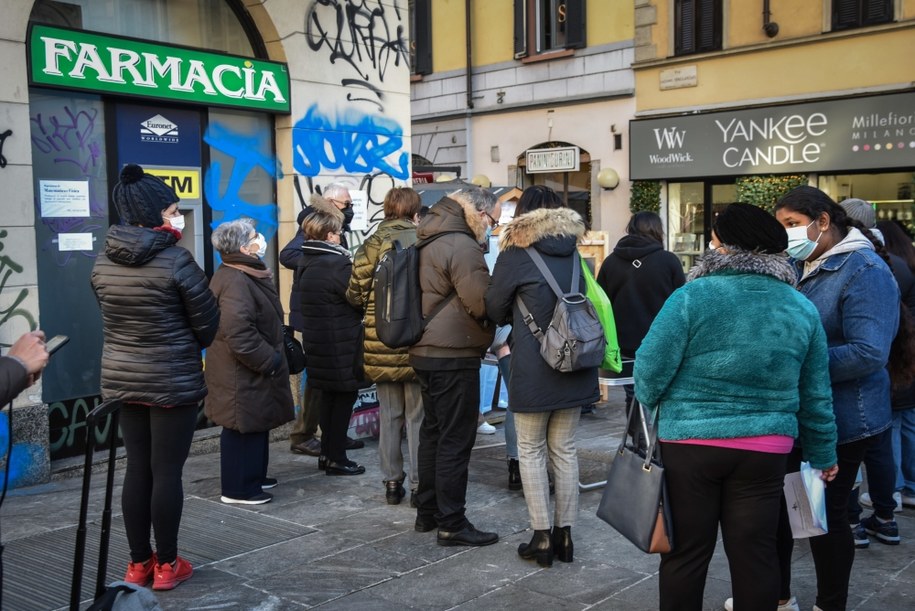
point(24, 455)
point(356, 142)
point(249, 151)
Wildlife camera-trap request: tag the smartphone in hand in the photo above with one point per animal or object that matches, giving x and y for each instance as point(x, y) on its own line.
point(56, 343)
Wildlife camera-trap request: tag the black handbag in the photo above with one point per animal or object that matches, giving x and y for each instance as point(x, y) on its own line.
point(295, 354)
point(635, 496)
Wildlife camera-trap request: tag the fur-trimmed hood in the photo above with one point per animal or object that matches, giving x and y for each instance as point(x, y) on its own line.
point(743, 261)
point(537, 225)
point(451, 214)
point(324, 205)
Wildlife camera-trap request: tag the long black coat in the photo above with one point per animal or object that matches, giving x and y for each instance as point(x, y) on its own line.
point(534, 386)
point(157, 314)
point(332, 335)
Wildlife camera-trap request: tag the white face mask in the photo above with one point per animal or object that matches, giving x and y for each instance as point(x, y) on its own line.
point(261, 242)
point(176, 222)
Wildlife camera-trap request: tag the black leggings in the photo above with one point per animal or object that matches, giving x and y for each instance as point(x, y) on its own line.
point(157, 441)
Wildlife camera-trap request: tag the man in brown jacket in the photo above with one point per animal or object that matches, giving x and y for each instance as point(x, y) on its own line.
point(447, 358)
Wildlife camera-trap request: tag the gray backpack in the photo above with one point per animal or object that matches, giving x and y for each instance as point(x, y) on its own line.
point(575, 337)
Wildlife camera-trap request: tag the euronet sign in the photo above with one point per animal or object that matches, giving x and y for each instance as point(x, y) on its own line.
point(74, 59)
point(864, 133)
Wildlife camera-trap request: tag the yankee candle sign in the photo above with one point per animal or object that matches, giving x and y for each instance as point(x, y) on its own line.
point(75, 59)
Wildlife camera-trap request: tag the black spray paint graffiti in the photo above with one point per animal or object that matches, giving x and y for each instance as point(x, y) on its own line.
point(3, 138)
point(7, 268)
point(359, 32)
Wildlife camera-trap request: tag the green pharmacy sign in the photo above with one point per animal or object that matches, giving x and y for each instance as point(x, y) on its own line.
point(74, 59)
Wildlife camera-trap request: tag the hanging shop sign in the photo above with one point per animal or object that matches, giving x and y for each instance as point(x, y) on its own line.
point(561, 159)
point(851, 134)
point(74, 59)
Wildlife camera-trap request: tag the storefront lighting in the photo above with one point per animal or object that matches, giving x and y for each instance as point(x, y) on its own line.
point(608, 179)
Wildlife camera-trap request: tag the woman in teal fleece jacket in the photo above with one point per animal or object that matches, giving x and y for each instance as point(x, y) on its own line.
point(736, 362)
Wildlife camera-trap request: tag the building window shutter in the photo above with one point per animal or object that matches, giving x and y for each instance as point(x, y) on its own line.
point(423, 16)
point(575, 24)
point(520, 28)
point(856, 13)
point(709, 25)
point(685, 26)
point(877, 11)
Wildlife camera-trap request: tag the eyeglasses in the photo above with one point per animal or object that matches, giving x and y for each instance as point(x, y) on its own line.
point(495, 223)
point(346, 204)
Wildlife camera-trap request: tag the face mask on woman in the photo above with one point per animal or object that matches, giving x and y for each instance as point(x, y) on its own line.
point(799, 245)
point(176, 222)
point(261, 244)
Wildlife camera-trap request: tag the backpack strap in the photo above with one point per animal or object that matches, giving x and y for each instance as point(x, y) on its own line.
point(526, 315)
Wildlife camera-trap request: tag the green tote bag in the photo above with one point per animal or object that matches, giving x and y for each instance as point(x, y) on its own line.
point(601, 303)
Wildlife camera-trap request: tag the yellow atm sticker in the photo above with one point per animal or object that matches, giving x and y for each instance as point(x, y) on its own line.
point(186, 183)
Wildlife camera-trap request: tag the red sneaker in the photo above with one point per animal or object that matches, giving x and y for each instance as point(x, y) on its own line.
point(140, 573)
point(168, 575)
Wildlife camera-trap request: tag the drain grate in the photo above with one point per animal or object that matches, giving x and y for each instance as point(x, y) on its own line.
point(38, 570)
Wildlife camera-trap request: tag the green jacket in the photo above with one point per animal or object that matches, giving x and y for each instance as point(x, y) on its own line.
point(382, 364)
point(739, 352)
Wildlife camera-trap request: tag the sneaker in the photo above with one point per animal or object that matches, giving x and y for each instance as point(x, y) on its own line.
point(257, 499)
point(486, 429)
point(865, 499)
point(268, 483)
point(886, 532)
point(140, 573)
point(791, 605)
point(168, 575)
point(860, 536)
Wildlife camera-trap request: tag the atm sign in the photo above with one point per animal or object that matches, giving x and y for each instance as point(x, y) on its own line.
point(186, 183)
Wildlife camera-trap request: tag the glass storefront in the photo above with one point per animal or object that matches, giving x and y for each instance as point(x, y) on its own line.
point(891, 193)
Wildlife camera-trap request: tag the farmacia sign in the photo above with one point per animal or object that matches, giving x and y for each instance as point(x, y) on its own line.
point(74, 59)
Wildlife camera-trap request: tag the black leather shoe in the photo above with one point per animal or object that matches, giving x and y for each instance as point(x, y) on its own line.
point(394, 492)
point(354, 444)
point(514, 474)
point(322, 463)
point(468, 535)
point(562, 543)
point(540, 548)
point(424, 524)
point(344, 468)
point(312, 447)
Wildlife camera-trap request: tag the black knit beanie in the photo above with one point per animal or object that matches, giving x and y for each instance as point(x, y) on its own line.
point(141, 197)
point(751, 228)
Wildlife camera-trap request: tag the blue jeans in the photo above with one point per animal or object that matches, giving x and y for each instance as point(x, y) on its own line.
point(903, 450)
point(511, 435)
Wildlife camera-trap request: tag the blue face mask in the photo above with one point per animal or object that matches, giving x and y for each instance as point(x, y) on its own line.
point(799, 245)
point(488, 235)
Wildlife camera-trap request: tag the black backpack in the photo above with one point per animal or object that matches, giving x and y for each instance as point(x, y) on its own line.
point(399, 319)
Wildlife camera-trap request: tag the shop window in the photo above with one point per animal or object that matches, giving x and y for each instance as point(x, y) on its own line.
point(548, 26)
point(697, 26)
point(847, 14)
point(420, 36)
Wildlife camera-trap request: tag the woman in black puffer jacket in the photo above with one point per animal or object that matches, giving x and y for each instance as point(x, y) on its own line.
point(332, 336)
point(157, 314)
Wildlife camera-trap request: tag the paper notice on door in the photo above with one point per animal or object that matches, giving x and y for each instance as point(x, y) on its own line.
point(805, 496)
point(74, 241)
point(64, 198)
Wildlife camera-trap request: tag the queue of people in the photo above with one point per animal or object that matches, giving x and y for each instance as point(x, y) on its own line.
point(810, 359)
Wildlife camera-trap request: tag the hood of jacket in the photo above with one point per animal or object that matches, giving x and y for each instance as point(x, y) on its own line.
point(744, 262)
point(129, 245)
point(555, 231)
point(632, 247)
point(450, 216)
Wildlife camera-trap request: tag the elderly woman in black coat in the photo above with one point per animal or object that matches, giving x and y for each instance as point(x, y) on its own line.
point(246, 369)
point(332, 337)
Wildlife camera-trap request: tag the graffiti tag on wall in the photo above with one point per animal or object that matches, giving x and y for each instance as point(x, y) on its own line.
point(3, 138)
point(13, 311)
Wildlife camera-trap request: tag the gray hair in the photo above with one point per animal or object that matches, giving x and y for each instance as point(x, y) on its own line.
point(481, 199)
point(229, 237)
point(334, 189)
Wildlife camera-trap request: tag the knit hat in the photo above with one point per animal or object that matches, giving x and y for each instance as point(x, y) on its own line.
point(750, 228)
point(860, 210)
point(141, 197)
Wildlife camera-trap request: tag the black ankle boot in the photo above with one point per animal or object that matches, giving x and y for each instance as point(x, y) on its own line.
point(514, 474)
point(562, 543)
point(540, 547)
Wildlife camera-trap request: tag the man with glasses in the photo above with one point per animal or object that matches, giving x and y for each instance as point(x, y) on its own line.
point(453, 277)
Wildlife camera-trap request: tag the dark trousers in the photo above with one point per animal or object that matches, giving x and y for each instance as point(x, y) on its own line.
point(157, 441)
point(451, 405)
point(336, 409)
point(243, 459)
point(833, 553)
point(741, 491)
point(881, 479)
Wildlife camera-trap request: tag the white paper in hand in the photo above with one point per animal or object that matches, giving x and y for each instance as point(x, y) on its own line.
point(805, 496)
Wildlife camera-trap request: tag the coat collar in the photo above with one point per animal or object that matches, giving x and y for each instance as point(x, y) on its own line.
point(534, 226)
point(745, 262)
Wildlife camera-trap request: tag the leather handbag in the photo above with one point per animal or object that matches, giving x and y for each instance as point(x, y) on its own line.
point(635, 497)
point(295, 354)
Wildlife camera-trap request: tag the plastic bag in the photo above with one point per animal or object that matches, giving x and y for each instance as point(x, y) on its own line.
point(601, 303)
point(805, 495)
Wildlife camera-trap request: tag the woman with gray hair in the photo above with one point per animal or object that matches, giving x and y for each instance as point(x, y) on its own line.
point(246, 369)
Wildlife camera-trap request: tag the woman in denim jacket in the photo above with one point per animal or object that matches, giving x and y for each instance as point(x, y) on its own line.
point(845, 277)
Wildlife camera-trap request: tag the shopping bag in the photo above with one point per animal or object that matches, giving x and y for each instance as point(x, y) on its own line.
point(601, 303)
point(805, 496)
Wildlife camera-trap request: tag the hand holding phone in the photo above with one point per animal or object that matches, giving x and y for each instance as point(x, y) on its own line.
point(56, 343)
